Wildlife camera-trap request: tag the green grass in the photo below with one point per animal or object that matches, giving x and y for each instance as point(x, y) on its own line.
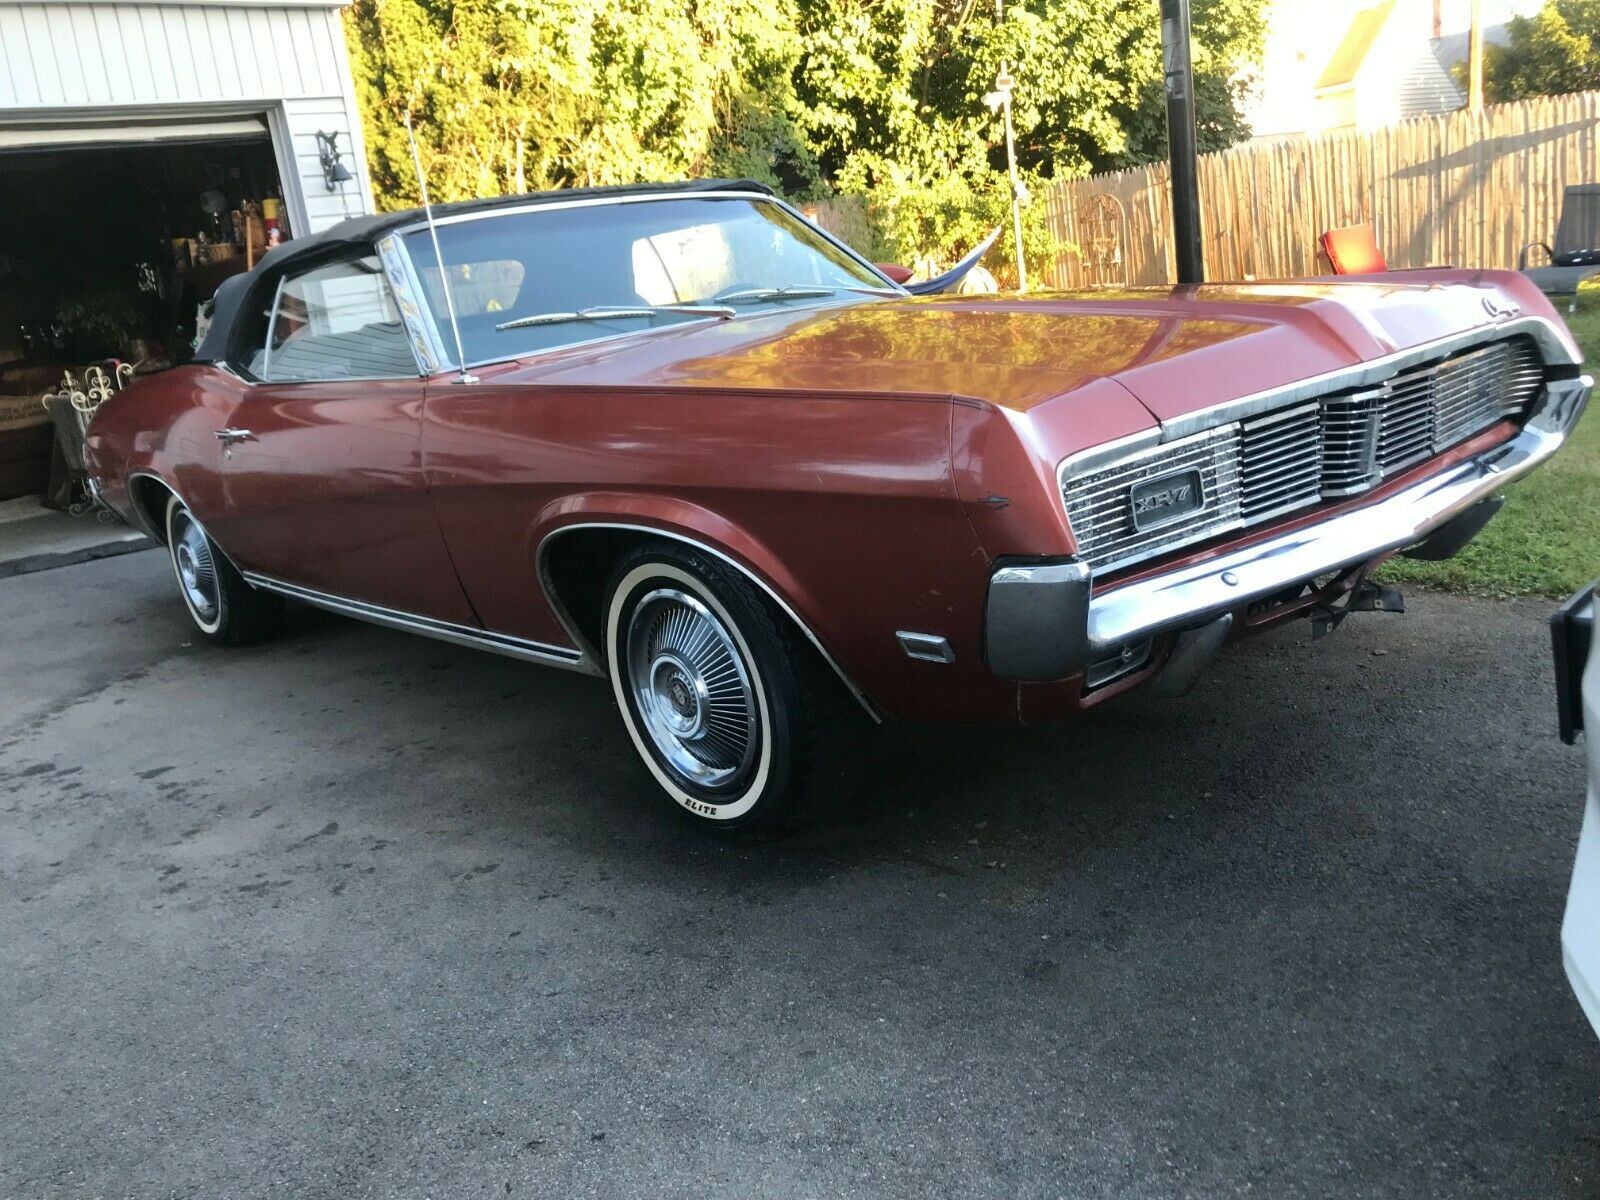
point(1546, 541)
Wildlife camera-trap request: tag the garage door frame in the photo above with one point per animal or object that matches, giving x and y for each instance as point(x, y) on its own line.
point(112, 117)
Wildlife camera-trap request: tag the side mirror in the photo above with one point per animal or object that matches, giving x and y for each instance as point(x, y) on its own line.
point(895, 271)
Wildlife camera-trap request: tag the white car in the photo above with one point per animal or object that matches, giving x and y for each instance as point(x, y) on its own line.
point(1578, 696)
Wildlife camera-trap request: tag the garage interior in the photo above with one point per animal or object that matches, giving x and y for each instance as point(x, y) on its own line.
point(111, 243)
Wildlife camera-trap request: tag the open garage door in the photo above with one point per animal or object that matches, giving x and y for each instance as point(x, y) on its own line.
point(112, 238)
point(64, 135)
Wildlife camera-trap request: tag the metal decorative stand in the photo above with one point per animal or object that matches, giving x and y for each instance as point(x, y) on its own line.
point(70, 411)
point(1102, 229)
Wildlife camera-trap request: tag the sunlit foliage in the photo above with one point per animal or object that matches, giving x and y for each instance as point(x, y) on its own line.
point(878, 98)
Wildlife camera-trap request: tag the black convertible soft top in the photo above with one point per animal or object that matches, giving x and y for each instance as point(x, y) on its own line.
point(358, 232)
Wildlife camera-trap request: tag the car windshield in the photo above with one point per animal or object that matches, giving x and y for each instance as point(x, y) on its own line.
point(533, 280)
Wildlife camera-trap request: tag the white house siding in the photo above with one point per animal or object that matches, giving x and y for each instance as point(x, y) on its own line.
point(303, 119)
point(1406, 71)
point(98, 62)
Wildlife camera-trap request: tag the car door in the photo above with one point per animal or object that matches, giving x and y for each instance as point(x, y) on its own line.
point(321, 469)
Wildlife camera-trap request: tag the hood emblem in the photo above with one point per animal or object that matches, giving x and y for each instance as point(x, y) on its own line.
point(1168, 498)
point(1496, 309)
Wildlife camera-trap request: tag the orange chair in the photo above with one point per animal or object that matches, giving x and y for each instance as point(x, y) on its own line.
point(1353, 250)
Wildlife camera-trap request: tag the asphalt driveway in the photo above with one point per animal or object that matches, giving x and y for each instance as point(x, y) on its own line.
point(360, 915)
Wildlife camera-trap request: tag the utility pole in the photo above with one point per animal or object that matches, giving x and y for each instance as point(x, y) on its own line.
point(1000, 99)
point(1181, 141)
point(1475, 58)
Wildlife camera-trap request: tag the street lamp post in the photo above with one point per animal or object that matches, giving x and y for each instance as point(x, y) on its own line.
point(1000, 99)
point(1018, 192)
point(1181, 141)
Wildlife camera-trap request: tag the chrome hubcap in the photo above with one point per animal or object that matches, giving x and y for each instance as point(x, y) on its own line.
point(197, 570)
point(691, 688)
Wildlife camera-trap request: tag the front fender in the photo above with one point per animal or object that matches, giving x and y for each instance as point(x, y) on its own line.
point(850, 586)
point(682, 519)
point(669, 517)
point(841, 506)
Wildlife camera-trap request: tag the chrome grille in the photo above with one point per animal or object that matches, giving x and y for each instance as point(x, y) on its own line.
point(1406, 423)
point(1349, 423)
point(1280, 461)
point(1101, 513)
point(1488, 385)
point(1370, 434)
point(1334, 446)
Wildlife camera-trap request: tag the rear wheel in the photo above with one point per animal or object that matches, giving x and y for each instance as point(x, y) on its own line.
point(730, 708)
point(224, 608)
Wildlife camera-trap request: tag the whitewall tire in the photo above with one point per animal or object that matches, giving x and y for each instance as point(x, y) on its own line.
point(224, 608)
point(725, 702)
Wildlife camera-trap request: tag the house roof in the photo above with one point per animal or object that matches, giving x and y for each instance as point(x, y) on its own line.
point(1356, 44)
point(1426, 87)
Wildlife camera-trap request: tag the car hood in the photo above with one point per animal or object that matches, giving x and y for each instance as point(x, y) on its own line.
point(1219, 342)
point(1176, 350)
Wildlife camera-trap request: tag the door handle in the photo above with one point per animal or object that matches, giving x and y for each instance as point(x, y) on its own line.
point(229, 436)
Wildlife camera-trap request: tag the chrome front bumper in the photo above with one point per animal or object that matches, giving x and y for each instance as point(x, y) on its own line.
point(1034, 631)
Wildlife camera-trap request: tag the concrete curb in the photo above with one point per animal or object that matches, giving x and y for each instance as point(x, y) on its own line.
point(28, 564)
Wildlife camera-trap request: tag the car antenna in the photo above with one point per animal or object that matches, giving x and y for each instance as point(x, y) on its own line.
point(465, 376)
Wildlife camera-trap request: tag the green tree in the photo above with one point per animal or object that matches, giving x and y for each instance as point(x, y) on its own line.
point(891, 96)
point(1554, 51)
point(517, 95)
point(882, 99)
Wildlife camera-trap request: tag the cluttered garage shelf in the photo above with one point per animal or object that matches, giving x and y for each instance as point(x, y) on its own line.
point(107, 256)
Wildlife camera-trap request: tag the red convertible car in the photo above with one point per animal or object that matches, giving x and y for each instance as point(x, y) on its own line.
point(681, 438)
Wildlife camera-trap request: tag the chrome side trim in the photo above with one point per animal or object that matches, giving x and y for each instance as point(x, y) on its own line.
point(1193, 594)
point(261, 383)
point(1541, 329)
point(590, 652)
point(444, 631)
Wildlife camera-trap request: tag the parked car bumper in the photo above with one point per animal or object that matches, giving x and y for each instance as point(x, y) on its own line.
point(1580, 928)
point(1577, 672)
point(1046, 620)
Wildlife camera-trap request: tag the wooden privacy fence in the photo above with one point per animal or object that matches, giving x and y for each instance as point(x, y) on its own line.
point(845, 217)
point(1465, 189)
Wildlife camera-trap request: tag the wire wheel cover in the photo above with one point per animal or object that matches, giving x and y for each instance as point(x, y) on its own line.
point(692, 691)
point(197, 569)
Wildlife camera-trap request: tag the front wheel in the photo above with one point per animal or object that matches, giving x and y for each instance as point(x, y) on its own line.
point(224, 608)
point(728, 705)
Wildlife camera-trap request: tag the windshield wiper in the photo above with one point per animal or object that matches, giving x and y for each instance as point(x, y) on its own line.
point(606, 312)
point(793, 291)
